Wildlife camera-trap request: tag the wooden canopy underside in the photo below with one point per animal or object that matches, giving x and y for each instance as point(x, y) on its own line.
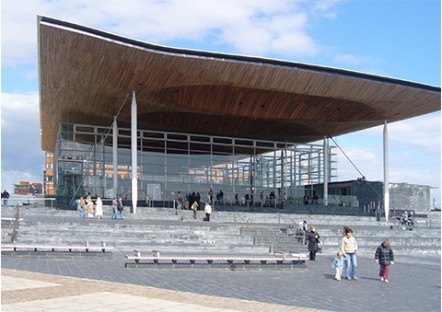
point(86, 75)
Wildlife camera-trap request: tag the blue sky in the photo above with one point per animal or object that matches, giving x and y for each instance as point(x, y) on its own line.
point(394, 38)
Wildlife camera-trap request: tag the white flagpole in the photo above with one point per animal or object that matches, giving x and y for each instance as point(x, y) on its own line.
point(134, 149)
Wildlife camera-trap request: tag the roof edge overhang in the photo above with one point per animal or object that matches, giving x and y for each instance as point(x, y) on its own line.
point(235, 57)
point(322, 84)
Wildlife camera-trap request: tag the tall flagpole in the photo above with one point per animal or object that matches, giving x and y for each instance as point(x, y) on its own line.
point(326, 170)
point(115, 155)
point(134, 149)
point(386, 175)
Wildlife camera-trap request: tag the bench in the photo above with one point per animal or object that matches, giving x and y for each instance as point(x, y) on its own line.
point(86, 248)
point(156, 258)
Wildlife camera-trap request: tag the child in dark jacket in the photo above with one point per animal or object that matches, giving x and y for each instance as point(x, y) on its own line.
point(384, 257)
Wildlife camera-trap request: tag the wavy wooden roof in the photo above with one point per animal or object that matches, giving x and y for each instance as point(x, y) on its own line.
point(86, 74)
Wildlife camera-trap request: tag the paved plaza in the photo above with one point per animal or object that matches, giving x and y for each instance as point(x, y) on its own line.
point(54, 283)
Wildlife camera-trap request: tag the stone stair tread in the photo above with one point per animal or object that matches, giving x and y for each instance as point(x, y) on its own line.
point(229, 231)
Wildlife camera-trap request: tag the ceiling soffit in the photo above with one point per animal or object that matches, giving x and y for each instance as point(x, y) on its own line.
point(86, 75)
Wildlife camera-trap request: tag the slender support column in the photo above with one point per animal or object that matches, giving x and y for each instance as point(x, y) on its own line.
point(115, 155)
point(103, 172)
point(386, 175)
point(326, 177)
point(134, 149)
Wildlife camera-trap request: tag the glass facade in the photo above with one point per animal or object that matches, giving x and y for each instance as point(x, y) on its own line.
point(169, 162)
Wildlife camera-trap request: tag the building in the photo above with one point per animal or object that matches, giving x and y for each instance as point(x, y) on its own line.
point(145, 121)
point(369, 195)
point(48, 175)
point(27, 188)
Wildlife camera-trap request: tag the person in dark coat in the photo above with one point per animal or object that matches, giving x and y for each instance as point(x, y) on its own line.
point(384, 256)
point(5, 196)
point(312, 239)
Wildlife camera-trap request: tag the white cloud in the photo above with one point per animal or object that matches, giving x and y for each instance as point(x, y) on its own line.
point(251, 27)
point(18, 111)
point(360, 159)
point(10, 177)
point(422, 132)
point(21, 153)
point(326, 8)
point(414, 153)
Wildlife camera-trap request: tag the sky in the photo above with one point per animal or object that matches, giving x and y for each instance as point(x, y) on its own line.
point(394, 38)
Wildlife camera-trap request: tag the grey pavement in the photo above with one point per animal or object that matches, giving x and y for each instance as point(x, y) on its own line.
point(415, 285)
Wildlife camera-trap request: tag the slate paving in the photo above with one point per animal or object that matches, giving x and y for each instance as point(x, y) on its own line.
point(415, 282)
point(97, 283)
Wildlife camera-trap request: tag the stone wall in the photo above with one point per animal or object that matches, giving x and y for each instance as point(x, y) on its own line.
point(410, 197)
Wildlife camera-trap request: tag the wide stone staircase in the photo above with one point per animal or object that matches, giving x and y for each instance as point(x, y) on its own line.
point(228, 232)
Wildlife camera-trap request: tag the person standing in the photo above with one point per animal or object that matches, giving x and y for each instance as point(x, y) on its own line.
point(90, 209)
point(338, 265)
point(114, 208)
point(88, 198)
point(210, 196)
point(80, 208)
point(349, 247)
point(312, 238)
point(120, 207)
point(221, 197)
point(207, 211)
point(180, 200)
point(82, 204)
point(5, 196)
point(99, 208)
point(306, 199)
point(384, 256)
point(195, 208)
point(198, 199)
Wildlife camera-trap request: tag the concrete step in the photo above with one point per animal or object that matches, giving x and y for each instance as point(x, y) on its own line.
point(229, 231)
point(225, 216)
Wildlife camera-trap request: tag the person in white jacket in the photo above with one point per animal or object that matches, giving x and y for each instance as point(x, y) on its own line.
point(207, 210)
point(349, 247)
point(99, 208)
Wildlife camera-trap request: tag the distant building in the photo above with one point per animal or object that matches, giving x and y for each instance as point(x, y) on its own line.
point(363, 193)
point(27, 188)
point(48, 175)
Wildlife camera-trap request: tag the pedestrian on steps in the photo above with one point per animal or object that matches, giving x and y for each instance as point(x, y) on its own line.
point(312, 238)
point(207, 211)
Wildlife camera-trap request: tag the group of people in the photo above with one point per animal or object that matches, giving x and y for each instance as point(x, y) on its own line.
point(345, 262)
point(117, 208)
point(311, 200)
point(193, 202)
point(407, 218)
point(88, 209)
point(187, 201)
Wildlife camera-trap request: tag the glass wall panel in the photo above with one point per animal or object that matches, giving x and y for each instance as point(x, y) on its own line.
point(187, 163)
